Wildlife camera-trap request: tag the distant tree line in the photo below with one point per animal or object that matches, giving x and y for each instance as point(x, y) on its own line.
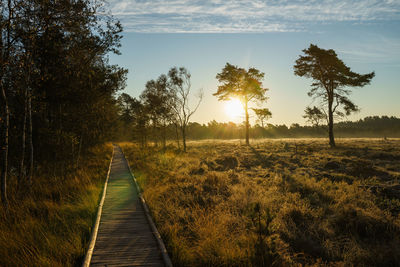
point(376, 127)
point(57, 87)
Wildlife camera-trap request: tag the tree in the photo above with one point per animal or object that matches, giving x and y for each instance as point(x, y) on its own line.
point(314, 115)
point(262, 114)
point(6, 24)
point(156, 99)
point(180, 86)
point(246, 85)
point(141, 120)
point(331, 78)
point(126, 105)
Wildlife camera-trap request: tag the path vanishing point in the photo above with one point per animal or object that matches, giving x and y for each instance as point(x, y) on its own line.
point(126, 235)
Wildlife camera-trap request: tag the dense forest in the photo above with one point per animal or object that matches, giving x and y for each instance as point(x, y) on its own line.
point(57, 86)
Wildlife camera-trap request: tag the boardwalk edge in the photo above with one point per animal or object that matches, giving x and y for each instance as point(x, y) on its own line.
point(95, 228)
point(164, 252)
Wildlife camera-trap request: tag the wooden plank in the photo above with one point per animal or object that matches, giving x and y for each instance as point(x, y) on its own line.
point(124, 236)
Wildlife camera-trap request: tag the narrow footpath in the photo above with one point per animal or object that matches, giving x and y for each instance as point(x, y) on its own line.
point(125, 237)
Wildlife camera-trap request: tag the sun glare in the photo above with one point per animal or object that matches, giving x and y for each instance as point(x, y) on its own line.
point(234, 109)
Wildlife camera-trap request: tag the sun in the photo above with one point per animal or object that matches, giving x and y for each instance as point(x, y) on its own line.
point(234, 109)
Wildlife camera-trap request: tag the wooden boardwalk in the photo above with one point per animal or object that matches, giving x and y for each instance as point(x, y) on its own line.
point(125, 237)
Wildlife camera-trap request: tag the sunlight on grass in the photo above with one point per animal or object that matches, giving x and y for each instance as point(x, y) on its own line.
point(275, 203)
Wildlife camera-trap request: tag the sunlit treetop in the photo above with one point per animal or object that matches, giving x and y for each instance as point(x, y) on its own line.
point(242, 84)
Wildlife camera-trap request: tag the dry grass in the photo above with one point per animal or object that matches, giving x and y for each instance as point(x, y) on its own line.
point(279, 202)
point(51, 226)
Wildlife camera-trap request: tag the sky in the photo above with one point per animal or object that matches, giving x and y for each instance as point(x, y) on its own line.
point(268, 35)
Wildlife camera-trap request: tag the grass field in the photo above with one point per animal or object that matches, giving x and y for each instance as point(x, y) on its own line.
point(277, 202)
point(50, 226)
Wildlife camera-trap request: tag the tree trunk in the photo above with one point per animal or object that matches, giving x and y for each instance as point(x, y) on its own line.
point(144, 136)
point(155, 134)
point(247, 123)
point(177, 136)
point(23, 141)
point(30, 140)
point(72, 152)
point(330, 124)
point(6, 111)
point(79, 150)
point(164, 133)
point(184, 137)
point(4, 147)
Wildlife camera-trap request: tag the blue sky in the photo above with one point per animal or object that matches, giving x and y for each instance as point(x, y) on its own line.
point(268, 35)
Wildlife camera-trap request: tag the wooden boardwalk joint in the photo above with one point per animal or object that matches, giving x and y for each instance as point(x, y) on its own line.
point(126, 235)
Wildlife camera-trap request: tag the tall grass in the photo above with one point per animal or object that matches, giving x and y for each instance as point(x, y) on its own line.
point(276, 203)
point(51, 225)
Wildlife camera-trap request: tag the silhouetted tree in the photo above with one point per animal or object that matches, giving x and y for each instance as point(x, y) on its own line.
point(180, 86)
point(331, 77)
point(156, 99)
point(262, 114)
point(314, 115)
point(243, 84)
point(141, 121)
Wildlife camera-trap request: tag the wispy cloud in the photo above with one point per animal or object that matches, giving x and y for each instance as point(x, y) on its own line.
point(246, 15)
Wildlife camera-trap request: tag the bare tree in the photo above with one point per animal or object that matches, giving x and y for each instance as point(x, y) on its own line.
point(180, 86)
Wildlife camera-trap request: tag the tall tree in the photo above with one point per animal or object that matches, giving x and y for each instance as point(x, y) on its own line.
point(7, 12)
point(246, 85)
point(331, 79)
point(262, 114)
point(141, 121)
point(126, 105)
point(180, 86)
point(156, 99)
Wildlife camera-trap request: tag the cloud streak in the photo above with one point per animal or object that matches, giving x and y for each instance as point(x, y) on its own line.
point(172, 16)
